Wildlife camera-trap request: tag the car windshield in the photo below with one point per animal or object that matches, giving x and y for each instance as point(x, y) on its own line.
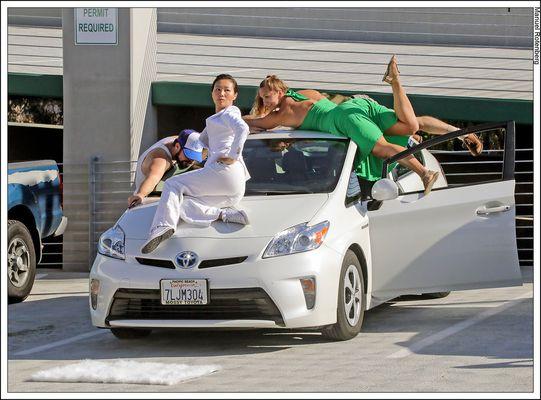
point(287, 166)
point(293, 166)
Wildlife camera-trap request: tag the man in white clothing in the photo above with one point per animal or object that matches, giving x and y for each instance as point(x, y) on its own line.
point(184, 150)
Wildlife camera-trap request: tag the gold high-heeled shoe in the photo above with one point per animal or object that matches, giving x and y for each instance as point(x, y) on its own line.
point(429, 179)
point(390, 75)
point(473, 144)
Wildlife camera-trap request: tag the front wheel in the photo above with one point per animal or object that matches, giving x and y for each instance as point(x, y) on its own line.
point(21, 261)
point(129, 333)
point(351, 301)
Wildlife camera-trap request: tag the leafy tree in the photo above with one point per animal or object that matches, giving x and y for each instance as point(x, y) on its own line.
point(35, 110)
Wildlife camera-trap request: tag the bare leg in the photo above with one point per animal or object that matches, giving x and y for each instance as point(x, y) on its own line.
point(426, 124)
point(434, 126)
point(384, 149)
point(407, 121)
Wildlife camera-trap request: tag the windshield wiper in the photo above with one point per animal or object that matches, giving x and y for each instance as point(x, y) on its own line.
point(275, 192)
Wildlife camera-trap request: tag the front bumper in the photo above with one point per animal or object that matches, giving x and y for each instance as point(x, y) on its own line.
point(277, 278)
point(62, 227)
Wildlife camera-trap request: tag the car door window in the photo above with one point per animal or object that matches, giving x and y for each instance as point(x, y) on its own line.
point(457, 166)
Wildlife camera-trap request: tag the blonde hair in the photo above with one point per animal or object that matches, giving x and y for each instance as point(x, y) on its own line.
point(271, 82)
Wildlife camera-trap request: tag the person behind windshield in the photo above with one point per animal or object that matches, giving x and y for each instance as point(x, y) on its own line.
point(361, 119)
point(183, 149)
point(279, 145)
point(211, 193)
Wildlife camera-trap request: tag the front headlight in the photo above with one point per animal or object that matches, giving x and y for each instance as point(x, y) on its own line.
point(297, 239)
point(111, 243)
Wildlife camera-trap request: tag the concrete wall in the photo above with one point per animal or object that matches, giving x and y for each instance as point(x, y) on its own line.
point(496, 27)
point(478, 26)
point(96, 94)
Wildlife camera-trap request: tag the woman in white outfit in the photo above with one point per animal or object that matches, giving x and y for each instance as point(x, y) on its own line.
point(208, 194)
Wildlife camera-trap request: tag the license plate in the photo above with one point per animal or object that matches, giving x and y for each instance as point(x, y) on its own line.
point(184, 291)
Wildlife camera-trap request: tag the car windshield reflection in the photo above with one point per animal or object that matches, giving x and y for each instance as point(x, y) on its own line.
point(293, 166)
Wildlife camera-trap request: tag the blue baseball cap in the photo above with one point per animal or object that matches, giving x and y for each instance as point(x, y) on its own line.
point(189, 141)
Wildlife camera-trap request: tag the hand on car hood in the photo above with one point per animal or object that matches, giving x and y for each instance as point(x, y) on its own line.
point(268, 216)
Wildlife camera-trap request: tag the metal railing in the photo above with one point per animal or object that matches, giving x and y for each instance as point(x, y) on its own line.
point(102, 188)
point(95, 195)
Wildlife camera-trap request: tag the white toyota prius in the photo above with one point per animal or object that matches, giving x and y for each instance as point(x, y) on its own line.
point(318, 251)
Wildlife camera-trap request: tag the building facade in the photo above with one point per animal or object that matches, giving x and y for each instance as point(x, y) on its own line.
point(463, 65)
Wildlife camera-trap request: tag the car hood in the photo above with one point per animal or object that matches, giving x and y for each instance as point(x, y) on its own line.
point(268, 215)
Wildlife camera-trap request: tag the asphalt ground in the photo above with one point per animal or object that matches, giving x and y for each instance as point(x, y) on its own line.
point(477, 341)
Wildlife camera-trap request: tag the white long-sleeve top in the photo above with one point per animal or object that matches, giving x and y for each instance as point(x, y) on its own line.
point(224, 136)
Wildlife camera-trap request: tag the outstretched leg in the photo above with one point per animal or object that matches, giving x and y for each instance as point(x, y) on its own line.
point(383, 149)
point(407, 121)
point(434, 126)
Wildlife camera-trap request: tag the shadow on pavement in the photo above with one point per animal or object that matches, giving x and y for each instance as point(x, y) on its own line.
point(495, 337)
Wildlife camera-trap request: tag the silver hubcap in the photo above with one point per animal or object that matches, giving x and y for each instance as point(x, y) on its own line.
point(18, 262)
point(352, 295)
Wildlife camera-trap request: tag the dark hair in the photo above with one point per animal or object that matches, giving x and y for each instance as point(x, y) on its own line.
point(228, 77)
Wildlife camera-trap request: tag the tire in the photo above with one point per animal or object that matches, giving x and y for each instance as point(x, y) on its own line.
point(129, 333)
point(435, 295)
point(350, 308)
point(21, 256)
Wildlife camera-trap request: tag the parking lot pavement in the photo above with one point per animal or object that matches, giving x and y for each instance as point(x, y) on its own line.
point(470, 341)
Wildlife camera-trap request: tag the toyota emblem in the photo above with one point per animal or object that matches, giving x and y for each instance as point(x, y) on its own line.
point(186, 259)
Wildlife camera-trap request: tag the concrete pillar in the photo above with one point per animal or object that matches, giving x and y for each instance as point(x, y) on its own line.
point(144, 121)
point(107, 114)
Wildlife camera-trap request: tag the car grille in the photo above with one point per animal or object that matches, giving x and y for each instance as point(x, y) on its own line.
point(219, 262)
point(246, 303)
point(155, 262)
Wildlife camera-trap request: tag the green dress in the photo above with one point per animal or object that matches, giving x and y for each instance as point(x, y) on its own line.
point(362, 120)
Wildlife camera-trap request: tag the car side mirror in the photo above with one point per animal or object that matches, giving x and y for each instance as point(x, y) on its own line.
point(384, 189)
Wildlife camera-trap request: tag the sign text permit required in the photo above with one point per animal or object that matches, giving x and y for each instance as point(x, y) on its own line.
point(96, 26)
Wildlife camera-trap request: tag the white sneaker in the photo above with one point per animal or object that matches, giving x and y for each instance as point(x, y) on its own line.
point(230, 214)
point(156, 237)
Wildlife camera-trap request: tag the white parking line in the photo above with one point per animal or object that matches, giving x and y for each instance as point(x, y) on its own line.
point(61, 342)
point(415, 347)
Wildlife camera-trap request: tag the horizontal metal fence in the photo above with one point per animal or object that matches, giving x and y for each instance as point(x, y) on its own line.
point(96, 193)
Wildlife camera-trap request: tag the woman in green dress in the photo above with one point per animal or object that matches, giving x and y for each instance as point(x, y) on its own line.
point(379, 132)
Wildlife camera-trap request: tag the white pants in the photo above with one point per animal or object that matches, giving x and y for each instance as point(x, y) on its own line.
point(197, 196)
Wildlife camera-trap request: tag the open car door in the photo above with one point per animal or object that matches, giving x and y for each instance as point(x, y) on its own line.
point(457, 237)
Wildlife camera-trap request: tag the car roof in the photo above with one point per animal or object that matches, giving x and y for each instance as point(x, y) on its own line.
point(294, 134)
